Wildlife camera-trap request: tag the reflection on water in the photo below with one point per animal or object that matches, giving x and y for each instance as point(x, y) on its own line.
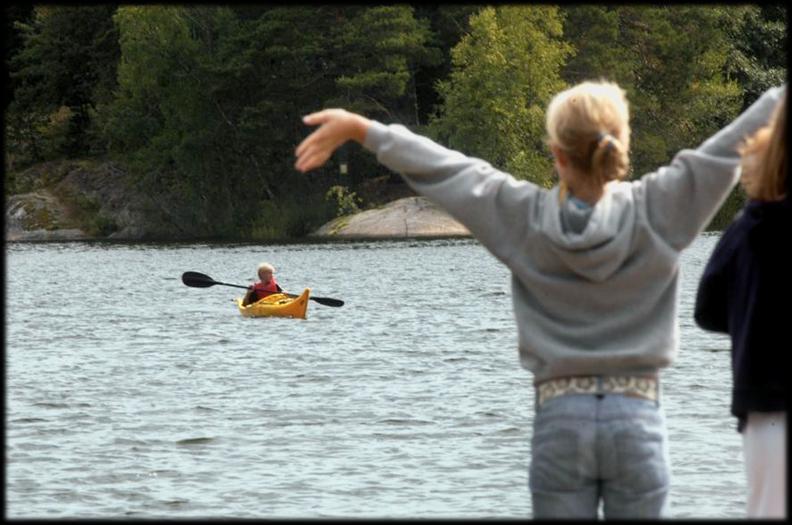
point(129, 394)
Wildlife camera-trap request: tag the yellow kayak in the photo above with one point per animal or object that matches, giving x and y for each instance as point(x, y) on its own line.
point(277, 305)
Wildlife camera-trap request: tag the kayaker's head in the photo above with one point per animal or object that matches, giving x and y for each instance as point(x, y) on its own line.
point(588, 128)
point(265, 271)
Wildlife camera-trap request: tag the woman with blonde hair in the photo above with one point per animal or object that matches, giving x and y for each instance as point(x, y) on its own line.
point(744, 284)
point(594, 264)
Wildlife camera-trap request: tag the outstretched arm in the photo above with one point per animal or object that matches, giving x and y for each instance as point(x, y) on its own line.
point(699, 180)
point(336, 126)
point(493, 205)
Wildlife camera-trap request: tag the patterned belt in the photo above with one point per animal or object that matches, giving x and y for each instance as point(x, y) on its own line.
point(645, 387)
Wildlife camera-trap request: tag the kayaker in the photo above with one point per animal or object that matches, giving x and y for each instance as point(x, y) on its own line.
point(595, 279)
point(743, 286)
point(267, 285)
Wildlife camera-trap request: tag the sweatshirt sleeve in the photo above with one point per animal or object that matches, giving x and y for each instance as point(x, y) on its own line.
point(684, 196)
point(494, 206)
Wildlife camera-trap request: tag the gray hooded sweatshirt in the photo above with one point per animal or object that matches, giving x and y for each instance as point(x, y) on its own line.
point(594, 291)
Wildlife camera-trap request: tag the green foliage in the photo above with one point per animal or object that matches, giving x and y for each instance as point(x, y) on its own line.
point(293, 217)
point(505, 72)
point(209, 104)
point(757, 57)
point(270, 223)
point(594, 32)
point(204, 102)
point(672, 63)
point(67, 60)
point(166, 118)
point(447, 23)
point(347, 202)
point(382, 46)
point(680, 95)
point(54, 134)
point(15, 17)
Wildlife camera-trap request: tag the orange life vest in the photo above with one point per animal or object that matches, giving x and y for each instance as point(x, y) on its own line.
point(263, 290)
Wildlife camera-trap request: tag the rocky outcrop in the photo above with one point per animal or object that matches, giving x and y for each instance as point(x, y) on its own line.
point(118, 210)
point(39, 216)
point(403, 218)
point(85, 200)
point(79, 200)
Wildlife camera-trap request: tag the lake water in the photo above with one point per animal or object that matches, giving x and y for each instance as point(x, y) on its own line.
point(129, 394)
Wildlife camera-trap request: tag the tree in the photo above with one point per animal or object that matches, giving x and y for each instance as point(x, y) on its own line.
point(209, 104)
point(65, 67)
point(14, 18)
point(447, 23)
point(680, 94)
point(594, 31)
point(382, 48)
point(671, 61)
point(159, 121)
point(504, 73)
point(757, 59)
point(274, 69)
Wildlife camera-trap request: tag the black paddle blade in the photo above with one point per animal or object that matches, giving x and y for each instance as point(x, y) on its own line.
point(327, 301)
point(197, 280)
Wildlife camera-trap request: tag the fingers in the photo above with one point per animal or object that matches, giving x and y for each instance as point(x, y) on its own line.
point(317, 147)
point(307, 143)
point(319, 117)
point(311, 161)
point(313, 151)
point(323, 116)
point(309, 154)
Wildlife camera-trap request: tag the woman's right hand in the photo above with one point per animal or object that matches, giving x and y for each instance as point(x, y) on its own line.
point(336, 126)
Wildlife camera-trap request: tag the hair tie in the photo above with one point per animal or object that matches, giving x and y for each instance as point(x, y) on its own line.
point(603, 135)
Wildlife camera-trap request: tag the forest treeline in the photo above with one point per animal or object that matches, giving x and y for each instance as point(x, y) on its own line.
point(202, 104)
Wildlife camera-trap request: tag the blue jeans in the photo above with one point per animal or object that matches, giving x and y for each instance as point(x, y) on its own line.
point(588, 448)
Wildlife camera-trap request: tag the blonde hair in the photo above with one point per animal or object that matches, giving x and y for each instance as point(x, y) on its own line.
point(763, 163)
point(590, 123)
point(265, 266)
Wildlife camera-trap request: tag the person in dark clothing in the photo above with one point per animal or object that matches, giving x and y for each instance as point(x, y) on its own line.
point(742, 291)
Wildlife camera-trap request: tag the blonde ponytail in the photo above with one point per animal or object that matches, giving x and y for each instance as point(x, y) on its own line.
point(609, 160)
point(589, 122)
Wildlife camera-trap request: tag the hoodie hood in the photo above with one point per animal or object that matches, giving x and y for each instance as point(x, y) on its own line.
point(592, 243)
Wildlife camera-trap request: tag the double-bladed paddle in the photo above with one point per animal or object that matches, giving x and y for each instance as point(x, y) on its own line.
point(199, 280)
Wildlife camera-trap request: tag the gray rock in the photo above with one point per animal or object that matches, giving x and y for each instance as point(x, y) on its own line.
point(402, 218)
point(39, 216)
point(70, 200)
